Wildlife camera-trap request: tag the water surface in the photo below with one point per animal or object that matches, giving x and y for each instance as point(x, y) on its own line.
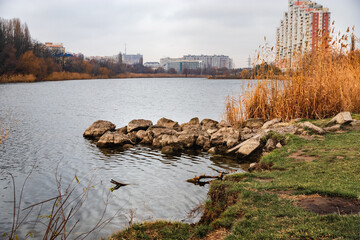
point(49, 118)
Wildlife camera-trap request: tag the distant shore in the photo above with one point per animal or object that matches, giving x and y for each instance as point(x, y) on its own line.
point(63, 76)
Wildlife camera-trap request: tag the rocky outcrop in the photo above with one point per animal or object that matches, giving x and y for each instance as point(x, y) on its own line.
point(207, 135)
point(98, 128)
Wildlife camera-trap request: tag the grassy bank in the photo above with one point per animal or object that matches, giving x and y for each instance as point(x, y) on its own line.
point(279, 203)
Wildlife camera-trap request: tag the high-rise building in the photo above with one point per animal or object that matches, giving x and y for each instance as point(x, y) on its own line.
point(301, 29)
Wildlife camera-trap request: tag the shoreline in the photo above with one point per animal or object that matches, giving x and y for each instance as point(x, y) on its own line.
point(290, 193)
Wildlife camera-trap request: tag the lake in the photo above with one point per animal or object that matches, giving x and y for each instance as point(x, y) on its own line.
point(49, 118)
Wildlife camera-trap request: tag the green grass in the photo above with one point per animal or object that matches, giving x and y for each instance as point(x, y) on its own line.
point(248, 205)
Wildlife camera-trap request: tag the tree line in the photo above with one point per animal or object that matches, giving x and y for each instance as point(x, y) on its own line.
point(20, 56)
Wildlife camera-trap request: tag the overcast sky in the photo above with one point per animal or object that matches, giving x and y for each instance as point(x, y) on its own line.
point(161, 28)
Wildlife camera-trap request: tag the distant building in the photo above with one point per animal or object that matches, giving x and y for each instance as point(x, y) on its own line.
point(300, 31)
point(207, 61)
point(180, 65)
point(55, 49)
point(212, 61)
point(153, 65)
point(132, 59)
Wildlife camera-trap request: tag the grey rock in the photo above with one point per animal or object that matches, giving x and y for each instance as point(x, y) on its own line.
point(342, 118)
point(279, 145)
point(248, 147)
point(224, 123)
point(209, 123)
point(254, 123)
point(203, 141)
point(270, 145)
point(98, 128)
point(312, 127)
point(334, 128)
point(221, 137)
point(139, 124)
point(268, 124)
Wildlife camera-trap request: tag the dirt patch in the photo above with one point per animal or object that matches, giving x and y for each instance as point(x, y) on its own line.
point(218, 234)
point(325, 205)
point(263, 180)
point(313, 137)
point(300, 156)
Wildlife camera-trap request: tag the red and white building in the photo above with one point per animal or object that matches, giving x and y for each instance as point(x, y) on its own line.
point(300, 31)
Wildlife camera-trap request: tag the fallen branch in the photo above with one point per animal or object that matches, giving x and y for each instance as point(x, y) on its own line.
point(197, 179)
point(118, 185)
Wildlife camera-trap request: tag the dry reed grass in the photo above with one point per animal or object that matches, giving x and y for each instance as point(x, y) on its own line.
point(58, 76)
point(17, 78)
point(325, 82)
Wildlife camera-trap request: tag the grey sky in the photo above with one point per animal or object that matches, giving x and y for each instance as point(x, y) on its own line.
point(161, 28)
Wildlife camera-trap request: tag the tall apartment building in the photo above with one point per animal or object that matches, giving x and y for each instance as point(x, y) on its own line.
point(300, 31)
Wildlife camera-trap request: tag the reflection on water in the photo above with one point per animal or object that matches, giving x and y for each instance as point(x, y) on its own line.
point(50, 118)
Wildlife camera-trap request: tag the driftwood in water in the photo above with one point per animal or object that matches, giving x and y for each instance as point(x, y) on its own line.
point(118, 185)
point(197, 179)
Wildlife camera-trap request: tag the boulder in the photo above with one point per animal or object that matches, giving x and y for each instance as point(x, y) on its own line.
point(147, 140)
point(279, 145)
point(312, 127)
point(212, 150)
point(170, 140)
point(222, 136)
point(224, 123)
point(113, 139)
point(168, 123)
point(98, 128)
point(132, 137)
point(270, 145)
point(342, 118)
point(248, 147)
point(122, 130)
point(139, 124)
point(251, 140)
point(193, 123)
point(140, 135)
point(203, 141)
point(334, 128)
point(128, 146)
point(209, 123)
point(268, 124)
point(254, 123)
point(168, 150)
point(158, 131)
point(188, 139)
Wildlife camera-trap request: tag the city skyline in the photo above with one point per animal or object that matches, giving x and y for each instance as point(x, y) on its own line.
point(160, 28)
